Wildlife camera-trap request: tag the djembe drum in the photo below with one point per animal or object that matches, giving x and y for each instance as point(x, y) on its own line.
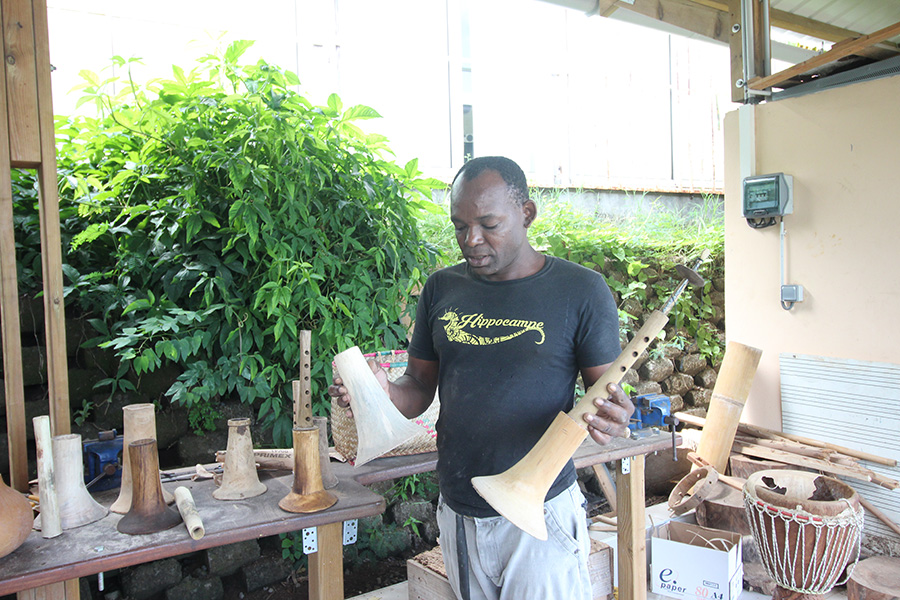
point(807, 527)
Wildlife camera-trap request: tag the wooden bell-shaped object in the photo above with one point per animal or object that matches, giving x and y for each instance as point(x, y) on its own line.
point(149, 512)
point(16, 517)
point(76, 506)
point(140, 424)
point(329, 479)
point(307, 493)
point(380, 427)
point(239, 478)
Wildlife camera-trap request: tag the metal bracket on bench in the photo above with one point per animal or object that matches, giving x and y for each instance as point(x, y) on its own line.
point(350, 529)
point(310, 540)
point(626, 465)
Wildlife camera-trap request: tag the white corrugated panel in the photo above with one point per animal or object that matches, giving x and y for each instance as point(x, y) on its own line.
point(851, 403)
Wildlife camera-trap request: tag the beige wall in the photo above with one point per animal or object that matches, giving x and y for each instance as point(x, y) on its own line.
point(843, 148)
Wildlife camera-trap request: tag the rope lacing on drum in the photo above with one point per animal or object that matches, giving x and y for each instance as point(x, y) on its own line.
point(835, 538)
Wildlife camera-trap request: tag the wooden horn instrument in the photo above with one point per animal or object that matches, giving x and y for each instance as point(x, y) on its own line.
point(148, 512)
point(307, 494)
point(519, 492)
point(239, 477)
point(139, 422)
point(76, 506)
point(380, 427)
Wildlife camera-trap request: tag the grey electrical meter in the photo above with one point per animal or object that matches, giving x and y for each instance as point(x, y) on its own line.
point(768, 196)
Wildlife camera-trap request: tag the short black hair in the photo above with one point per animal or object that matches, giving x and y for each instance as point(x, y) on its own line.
point(511, 173)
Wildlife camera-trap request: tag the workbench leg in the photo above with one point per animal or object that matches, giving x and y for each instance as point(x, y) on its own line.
point(607, 485)
point(63, 590)
point(632, 541)
point(326, 567)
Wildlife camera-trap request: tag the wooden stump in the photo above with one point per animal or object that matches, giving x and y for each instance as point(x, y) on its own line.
point(724, 509)
point(876, 578)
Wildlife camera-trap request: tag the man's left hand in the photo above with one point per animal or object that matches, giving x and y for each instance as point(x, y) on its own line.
point(611, 419)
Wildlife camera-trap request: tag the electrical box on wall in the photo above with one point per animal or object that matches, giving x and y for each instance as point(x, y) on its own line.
point(768, 196)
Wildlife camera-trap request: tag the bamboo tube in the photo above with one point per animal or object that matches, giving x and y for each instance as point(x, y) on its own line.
point(51, 524)
point(728, 399)
point(185, 503)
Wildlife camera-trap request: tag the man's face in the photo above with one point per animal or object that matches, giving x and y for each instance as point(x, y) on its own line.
point(491, 228)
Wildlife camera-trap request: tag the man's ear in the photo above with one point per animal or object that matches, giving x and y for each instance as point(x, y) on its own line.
point(530, 209)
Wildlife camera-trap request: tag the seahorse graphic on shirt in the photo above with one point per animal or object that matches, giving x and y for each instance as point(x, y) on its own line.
point(457, 324)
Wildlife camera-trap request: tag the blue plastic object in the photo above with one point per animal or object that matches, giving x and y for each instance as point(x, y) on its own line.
point(102, 457)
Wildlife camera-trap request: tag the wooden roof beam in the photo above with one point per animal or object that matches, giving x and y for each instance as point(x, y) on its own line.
point(837, 52)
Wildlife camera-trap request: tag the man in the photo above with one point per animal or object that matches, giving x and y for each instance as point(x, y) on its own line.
point(503, 336)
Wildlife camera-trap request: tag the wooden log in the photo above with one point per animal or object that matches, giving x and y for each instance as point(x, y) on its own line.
point(857, 473)
point(745, 466)
point(728, 399)
point(875, 578)
point(762, 432)
point(724, 509)
point(879, 515)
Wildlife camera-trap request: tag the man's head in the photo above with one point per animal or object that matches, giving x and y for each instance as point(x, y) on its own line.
point(491, 211)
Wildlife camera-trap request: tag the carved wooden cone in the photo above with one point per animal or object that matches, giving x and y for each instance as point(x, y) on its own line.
point(50, 523)
point(16, 518)
point(76, 506)
point(185, 503)
point(149, 512)
point(140, 424)
point(380, 427)
point(329, 479)
point(239, 477)
point(307, 494)
point(518, 493)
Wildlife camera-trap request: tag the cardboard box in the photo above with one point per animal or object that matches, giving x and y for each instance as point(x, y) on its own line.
point(690, 561)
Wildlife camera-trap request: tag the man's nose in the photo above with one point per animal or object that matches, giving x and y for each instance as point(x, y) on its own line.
point(474, 237)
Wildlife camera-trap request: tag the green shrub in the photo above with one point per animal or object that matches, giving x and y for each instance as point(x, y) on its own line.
point(212, 217)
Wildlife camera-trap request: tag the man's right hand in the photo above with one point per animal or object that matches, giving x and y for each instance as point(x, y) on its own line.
point(342, 395)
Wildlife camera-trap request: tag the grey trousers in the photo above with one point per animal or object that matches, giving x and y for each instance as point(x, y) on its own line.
point(505, 563)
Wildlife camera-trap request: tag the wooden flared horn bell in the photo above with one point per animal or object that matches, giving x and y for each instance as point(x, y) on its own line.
point(380, 427)
point(519, 492)
point(329, 479)
point(139, 424)
point(307, 494)
point(75, 504)
point(149, 512)
point(239, 478)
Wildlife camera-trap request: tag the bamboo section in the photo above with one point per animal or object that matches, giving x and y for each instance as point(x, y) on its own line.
point(728, 399)
point(51, 523)
point(185, 503)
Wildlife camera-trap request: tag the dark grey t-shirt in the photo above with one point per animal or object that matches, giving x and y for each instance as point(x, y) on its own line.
point(509, 355)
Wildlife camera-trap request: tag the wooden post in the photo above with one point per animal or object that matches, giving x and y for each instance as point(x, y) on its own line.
point(632, 536)
point(326, 567)
point(28, 141)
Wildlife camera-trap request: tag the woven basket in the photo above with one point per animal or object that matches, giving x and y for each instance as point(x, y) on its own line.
point(343, 428)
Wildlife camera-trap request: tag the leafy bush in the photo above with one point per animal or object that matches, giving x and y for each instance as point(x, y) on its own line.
point(214, 216)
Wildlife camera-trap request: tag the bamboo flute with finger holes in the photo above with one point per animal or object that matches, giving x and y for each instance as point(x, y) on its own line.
point(518, 493)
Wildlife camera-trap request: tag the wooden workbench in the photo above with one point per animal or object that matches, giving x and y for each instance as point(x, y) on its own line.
point(99, 547)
